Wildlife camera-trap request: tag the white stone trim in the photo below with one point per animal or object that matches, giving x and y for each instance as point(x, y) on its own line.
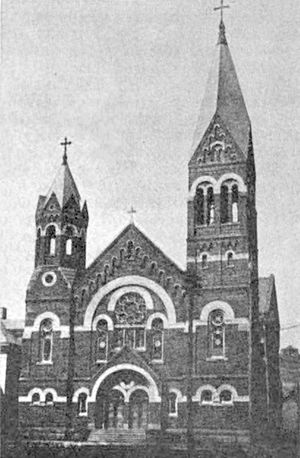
point(57, 229)
point(102, 316)
point(217, 183)
point(231, 176)
point(180, 397)
point(154, 316)
point(130, 289)
point(224, 306)
point(54, 278)
point(198, 181)
point(218, 257)
point(42, 393)
point(76, 231)
point(153, 390)
point(79, 391)
point(197, 397)
point(64, 330)
point(3, 366)
point(134, 280)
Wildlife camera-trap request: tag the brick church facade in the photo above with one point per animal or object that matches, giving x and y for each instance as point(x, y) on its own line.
point(128, 346)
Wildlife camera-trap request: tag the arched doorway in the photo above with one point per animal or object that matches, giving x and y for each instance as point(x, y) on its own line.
point(122, 402)
point(138, 410)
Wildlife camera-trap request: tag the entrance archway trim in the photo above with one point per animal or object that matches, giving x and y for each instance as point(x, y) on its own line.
point(152, 389)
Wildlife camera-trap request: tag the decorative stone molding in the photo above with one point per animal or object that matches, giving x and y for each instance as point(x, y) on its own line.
point(217, 183)
point(42, 394)
point(153, 390)
point(133, 280)
point(64, 330)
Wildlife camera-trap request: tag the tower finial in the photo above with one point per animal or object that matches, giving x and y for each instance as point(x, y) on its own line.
point(65, 144)
point(222, 36)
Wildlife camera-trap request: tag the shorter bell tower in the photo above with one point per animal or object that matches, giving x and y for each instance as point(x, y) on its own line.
point(61, 222)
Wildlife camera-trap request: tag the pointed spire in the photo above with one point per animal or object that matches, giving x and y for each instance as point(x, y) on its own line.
point(223, 97)
point(63, 186)
point(222, 36)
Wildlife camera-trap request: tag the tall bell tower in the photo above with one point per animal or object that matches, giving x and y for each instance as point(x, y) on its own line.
point(222, 227)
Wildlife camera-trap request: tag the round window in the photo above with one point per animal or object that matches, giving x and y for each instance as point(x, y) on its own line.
point(49, 278)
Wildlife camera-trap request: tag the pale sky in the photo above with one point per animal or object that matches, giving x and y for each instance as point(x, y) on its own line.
point(123, 79)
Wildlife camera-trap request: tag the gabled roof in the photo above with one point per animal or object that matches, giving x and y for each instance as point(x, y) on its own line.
point(132, 232)
point(63, 186)
point(223, 97)
point(7, 337)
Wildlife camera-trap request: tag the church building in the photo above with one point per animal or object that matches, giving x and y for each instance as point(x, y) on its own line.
point(132, 345)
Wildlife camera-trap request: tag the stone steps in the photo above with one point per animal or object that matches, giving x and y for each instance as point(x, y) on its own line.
point(117, 436)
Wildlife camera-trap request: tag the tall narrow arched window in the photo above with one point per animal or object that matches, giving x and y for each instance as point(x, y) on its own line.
point(51, 241)
point(69, 240)
point(210, 203)
point(216, 334)
point(82, 404)
point(101, 341)
point(224, 204)
point(46, 340)
point(204, 264)
point(199, 207)
point(229, 259)
point(38, 243)
point(235, 202)
point(172, 404)
point(157, 339)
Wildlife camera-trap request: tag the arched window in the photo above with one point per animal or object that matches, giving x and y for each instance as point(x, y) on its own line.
point(102, 341)
point(35, 398)
point(130, 315)
point(226, 397)
point(157, 339)
point(38, 243)
point(224, 204)
point(229, 259)
point(46, 340)
point(204, 264)
point(49, 398)
point(216, 334)
point(206, 397)
point(199, 207)
point(51, 241)
point(172, 404)
point(235, 201)
point(69, 240)
point(82, 404)
point(210, 203)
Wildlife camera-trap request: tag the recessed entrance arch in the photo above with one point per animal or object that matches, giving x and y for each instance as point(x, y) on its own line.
point(122, 396)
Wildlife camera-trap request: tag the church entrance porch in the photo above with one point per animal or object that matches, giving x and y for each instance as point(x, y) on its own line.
point(122, 408)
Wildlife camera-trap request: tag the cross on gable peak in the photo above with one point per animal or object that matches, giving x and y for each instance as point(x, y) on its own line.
point(131, 212)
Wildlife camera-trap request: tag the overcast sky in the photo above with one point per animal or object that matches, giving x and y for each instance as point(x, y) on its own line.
point(123, 79)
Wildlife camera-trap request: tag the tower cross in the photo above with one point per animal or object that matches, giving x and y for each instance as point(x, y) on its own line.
point(131, 212)
point(221, 8)
point(65, 144)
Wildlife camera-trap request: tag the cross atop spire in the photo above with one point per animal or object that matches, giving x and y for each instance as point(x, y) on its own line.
point(65, 144)
point(221, 8)
point(131, 212)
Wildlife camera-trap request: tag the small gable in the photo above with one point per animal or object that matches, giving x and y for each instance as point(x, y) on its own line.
point(217, 146)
